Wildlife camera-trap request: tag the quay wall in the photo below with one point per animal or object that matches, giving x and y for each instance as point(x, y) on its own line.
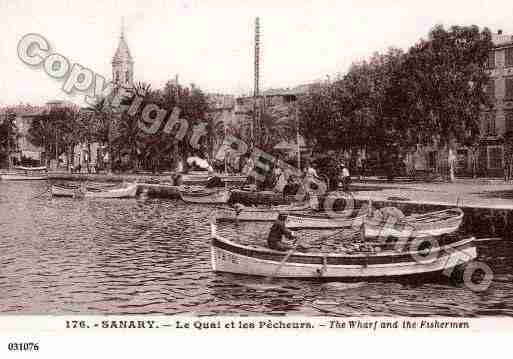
point(478, 221)
point(95, 177)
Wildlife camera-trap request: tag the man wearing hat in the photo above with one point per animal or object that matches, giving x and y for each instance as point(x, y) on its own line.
point(276, 233)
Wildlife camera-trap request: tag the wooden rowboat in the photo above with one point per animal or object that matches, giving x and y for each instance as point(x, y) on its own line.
point(314, 221)
point(24, 174)
point(128, 191)
point(62, 190)
point(207, 196)
point(418, 225)
point(258, 214)
point(22, 177)
point(228, 256)
point(200, 178)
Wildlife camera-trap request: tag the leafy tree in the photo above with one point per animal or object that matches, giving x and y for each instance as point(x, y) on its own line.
point(103, 117)
point(8, 135)
point(433, 94)
point(161, 148)
point(444, 78)
point(53, 131)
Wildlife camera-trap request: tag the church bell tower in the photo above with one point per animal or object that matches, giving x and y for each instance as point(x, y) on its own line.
point(122, 64)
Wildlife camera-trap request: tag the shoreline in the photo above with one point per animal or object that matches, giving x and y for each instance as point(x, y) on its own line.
point(494, 218)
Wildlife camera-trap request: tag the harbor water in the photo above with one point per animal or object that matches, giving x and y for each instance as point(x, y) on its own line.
point(152, 256)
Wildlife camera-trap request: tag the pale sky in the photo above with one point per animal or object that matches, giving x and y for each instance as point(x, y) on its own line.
point(210, 42)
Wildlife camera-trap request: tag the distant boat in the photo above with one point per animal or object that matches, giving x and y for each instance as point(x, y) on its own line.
point(426, 224)
point(204, 195)
point(200, 178)
point(231, 257)
point(323, 221)
point(128, 191)
point(258, 214)
point(24, 174)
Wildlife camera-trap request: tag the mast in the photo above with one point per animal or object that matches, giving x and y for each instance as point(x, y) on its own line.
point(8, 122)
point(256, 89)
point(297, 140)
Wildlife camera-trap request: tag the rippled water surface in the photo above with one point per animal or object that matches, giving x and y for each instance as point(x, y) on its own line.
point(63, 256)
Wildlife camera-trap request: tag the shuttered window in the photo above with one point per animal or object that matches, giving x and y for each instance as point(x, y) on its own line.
point(491, 60)
point(490, 123)
point(509, 57)
point(490, 90)
point(509, 88)
point(494, 157)
point(508, 119)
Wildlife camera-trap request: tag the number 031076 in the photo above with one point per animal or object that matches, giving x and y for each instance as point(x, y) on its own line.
point(23, 347)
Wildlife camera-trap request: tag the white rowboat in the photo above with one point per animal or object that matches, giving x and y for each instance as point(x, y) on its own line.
point(214, 196)
point(419, 225)
point(25, 174)
point(231, 257)
point(22, 177)
point(128, 191)
point(312, 221)
point(257, 214)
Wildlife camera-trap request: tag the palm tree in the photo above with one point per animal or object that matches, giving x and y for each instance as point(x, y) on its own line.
point(103, 116)
point(8, 135)
point(278, 123)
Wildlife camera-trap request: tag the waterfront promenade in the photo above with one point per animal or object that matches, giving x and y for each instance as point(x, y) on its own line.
point(476, 193)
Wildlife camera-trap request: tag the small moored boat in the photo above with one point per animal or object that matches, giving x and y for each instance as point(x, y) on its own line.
point(323, 221)
point(258, 214)
point(231, 257)
point(128, 191)
point(426, 224)
point(204, 195)
point(201, 178)
point(24, 174)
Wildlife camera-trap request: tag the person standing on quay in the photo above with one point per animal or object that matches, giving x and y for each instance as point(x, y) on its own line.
point(345, 177)
point(359, 165)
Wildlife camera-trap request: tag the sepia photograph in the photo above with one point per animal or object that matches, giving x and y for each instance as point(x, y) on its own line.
point(296, 162)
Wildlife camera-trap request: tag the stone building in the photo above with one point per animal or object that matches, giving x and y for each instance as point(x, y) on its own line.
point(498, 118)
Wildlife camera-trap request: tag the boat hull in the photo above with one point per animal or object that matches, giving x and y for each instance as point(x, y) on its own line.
point(20, 177)
point(249, 214)
point(322, 222)
point(232, 258)
point(129, 191)
point(201, 179)
point(60, 191)
point(206, 197)
point(429, 224)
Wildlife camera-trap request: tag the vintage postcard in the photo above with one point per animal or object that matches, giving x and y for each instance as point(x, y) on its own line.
point(195, 167)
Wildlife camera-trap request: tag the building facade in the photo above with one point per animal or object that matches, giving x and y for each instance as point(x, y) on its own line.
point(497, 120)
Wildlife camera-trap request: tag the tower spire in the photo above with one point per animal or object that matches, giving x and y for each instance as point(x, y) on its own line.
point(122, 27)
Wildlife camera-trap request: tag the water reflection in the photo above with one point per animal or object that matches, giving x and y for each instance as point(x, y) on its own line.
point(145, 256)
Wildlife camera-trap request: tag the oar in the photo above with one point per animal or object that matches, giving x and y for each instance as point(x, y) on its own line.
point(282, 263)
point(494, 239)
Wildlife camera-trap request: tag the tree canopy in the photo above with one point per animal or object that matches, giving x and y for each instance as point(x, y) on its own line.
point(433, 93)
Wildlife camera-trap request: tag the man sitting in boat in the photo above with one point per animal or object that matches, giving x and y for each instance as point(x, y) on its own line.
point(276, 233)
point(214, 182)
